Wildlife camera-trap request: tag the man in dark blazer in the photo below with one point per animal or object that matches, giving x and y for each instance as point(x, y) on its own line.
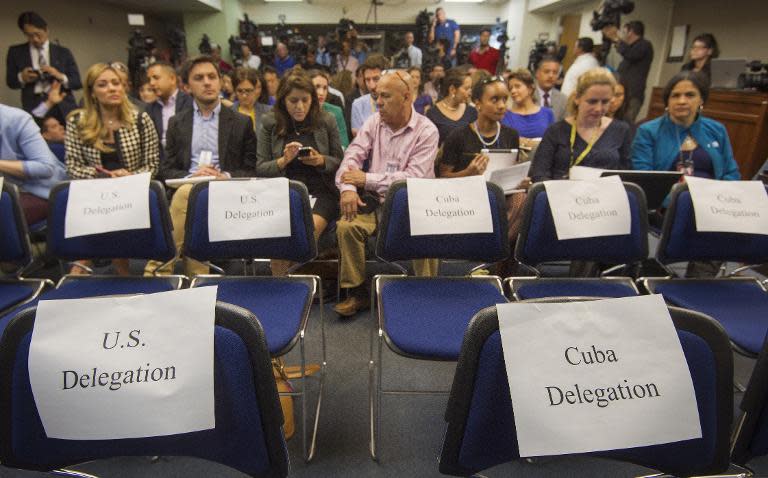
point(35, 65)
point(170, 99)
point(206, 140)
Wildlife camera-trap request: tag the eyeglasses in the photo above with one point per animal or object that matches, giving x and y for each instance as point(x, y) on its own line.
point(244, 91)
point(119, 66)
point(492, 79)
point(398, 74)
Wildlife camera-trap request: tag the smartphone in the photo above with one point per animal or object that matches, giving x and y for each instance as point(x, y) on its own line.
point(305, 152)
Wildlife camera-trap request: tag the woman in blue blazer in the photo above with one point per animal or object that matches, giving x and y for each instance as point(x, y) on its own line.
point(683, 139)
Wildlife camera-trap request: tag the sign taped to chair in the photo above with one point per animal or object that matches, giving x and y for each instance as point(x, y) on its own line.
point(449, 206)
point(124, 367)
point(729, 206)
point(1, 183)
point(96, 206)
point(253, 209)
point(596, 375)
point(589, 208)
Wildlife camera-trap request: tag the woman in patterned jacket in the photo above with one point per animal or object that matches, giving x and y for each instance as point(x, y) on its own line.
point(109, 137)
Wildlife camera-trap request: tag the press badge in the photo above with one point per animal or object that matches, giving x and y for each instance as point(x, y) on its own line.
point(206, 157)
point(392, 167)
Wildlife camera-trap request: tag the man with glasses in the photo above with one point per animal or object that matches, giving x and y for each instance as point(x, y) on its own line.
point(400, 144)
point(34, 67)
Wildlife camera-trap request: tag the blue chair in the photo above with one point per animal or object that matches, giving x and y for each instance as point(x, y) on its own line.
point(481, 425)
point(425, 317)
point(15, 249)
point(537, 243)
point(248, 435)
point(153, 243)
point(282, 303)
point(740, 304)
point(750, 435)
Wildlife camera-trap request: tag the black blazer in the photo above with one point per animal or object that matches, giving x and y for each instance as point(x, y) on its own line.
point(237, 145)
point(155, 110)
point(60, 58)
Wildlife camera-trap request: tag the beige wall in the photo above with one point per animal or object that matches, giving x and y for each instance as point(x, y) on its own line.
point(92, 31)
point(740, 28)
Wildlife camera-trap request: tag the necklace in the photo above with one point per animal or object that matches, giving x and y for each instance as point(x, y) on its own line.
point(480, 137)
point(445, 105)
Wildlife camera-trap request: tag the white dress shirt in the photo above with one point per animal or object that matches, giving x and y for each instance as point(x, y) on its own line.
point(581, 65)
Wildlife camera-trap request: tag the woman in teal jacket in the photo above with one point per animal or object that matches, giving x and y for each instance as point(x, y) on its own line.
point(683, 139)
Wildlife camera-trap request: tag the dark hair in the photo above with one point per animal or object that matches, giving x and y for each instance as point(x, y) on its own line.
point(698, 79)
point(454, 77)
point(199, 60)
point(585, 44)
point(420, 89)
point(547, 59)
point(242, 74)
point(296, 80)
point(269, 69)
point(621, 112)
point(31, 18)
point(44, 123)
point(479, 88)
point(485, 29)
point(709, 41)
point(445, 42)
point(375, 62)
point(164, 65)
point(636, 26)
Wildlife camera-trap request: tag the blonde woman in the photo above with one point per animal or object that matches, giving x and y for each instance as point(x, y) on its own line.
point(108, 137)
point(587, 136)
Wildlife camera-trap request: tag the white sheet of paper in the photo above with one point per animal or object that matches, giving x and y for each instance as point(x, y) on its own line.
point(449, 206)
point(509, 178)
point(124, 367)
point(205, 159)
point(599, 375)
point(589, 208)
point(253, 209)
point(580, 173)
point(312, 201)
point(498, 160)
point(729, 206)
point(96, 206)
point(1, 184)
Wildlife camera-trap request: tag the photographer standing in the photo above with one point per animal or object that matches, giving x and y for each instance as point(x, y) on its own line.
point(637, 53)
point(34, 66)
point(442, 28)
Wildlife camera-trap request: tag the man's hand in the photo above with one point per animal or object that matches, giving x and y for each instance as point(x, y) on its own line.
point(209, 171)
point(478, 165)
point(354, 177)
point(453, 53)
point(28, 75)
point(314, 159)
point(611, 32)
point(350, 201)
point(55, 95)
point(53, 72)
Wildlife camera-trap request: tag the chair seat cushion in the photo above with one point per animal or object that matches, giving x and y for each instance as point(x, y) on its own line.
point(741, 307)
point(279, 304)
point(428, 318)
point(536, 289)
point(12, 293)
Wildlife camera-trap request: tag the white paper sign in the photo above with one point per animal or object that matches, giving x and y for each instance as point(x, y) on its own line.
point(599, 375)
point(96, 206)
point(508, 179)
point(449, 206)
point(589, 208)
point(581, 173)
point(729, 206)
point(254, 209)
point(124, 367)
point(1, 184)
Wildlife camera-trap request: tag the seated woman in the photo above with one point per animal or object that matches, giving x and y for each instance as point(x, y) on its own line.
point(297, 124)
point(526, 116)
point(322, 80)
point(452, 111)
point(252, 97)
point(683, 139)
point(423, 101)
point(587, 136)
point(108, 137)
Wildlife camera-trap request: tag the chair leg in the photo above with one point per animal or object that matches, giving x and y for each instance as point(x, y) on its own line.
point(72, 474)
point(373, 409)
point(313, 442)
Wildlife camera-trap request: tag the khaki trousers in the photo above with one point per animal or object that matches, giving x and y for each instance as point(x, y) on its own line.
point(352, 236)
point(178, 211)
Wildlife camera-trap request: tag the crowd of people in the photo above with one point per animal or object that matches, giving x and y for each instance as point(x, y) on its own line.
point(349, 136)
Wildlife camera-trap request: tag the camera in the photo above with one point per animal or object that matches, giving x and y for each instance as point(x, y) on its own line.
point(205, 47)
point(544, 47)
point(610, 13)
point(755, 77)
point(140, 49)
point(305, 152)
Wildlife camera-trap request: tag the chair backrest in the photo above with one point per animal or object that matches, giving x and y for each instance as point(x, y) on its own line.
point(680, 241)
point(14, 234)
point(537, 240)
point(394, 241)
point(153, 243)
point(751, 435)
point(481, 424)
point(299, 247)
point(247, 437)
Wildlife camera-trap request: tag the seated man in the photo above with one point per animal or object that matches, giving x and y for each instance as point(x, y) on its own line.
point(400, 144)
point(205, 140)
point(53, 134)
point(26, 161)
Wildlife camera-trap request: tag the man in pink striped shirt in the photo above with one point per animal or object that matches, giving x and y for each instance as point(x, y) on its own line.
point(400, 144)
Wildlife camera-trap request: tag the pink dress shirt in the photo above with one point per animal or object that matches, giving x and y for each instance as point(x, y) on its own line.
point(406, 153)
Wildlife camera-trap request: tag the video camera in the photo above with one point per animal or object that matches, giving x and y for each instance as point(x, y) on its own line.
point(140, 48)
point(205, 47)
point(755, 77)
point(177, 40)
point(544, 47)
point(609, 13)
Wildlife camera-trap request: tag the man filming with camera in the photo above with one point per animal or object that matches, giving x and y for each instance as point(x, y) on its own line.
point(637, 53)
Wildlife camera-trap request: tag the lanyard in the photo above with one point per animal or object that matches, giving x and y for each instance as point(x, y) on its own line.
point(577, 161)
point(374, 107)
